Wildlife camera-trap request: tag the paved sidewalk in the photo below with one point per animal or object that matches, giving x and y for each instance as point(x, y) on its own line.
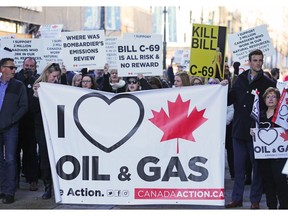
point(26, 199)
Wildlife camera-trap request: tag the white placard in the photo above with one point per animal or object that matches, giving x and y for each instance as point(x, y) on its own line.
point(242, 43)
point(140, 56)
point(23, 48)
point(111, 51)
point(52, 50)
point(270, 143)
point(178, 54)
point(50, 31)
point(84, 49)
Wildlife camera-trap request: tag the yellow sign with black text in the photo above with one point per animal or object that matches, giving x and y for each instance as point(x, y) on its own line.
point(207, 54)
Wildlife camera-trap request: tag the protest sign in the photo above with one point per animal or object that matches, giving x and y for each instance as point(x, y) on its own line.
point(23, 48)
point(139, 56)
point(50, 31)
point(270, 142)
point(146, 147)
point(242, 43)
point(83, 49)
point(207, 53)
point(178, 54)
point(111, 51)
point(185, 60)
point(52, 50)
point(281, 85)
point(280, 116)
point(182, 58)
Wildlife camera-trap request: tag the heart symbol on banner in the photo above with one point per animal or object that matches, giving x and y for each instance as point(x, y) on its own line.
point(108, 102)
point(267, 136)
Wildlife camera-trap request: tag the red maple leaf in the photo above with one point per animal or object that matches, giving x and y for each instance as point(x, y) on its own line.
point(284, 135)
point(178, 124)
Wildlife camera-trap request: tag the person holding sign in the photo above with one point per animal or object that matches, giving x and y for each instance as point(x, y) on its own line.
point(50, 74)
point(241, 96)
point(274, 182)
point(137, 83)
point(112, 82)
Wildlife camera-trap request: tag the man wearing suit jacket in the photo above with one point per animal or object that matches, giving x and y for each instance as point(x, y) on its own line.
point(13, 105)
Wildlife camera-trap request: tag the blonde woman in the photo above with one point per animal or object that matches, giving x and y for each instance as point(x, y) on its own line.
point(51, 74)
point(76, 80)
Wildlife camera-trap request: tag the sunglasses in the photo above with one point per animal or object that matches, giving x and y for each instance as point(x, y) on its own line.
point(212, 83)
point(134, 82)
point(10, 67)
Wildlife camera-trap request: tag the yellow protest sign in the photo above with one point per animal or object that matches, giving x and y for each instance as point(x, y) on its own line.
point(207, 51)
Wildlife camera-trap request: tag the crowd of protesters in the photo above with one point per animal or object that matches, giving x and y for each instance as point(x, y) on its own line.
point(23, 148)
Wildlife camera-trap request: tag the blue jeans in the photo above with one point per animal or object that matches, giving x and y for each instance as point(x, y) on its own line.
point(8, 163)
point(243, 151)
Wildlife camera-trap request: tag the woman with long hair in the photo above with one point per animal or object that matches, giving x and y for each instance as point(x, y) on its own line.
point(50, 74)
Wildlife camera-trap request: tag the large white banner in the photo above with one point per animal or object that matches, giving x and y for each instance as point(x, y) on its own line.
point(163, 146)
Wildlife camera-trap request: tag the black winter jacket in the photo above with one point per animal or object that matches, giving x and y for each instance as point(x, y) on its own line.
point(240, 95)
point(14, 106)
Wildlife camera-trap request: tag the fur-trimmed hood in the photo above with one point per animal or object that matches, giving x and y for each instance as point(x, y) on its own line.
point(118, 85)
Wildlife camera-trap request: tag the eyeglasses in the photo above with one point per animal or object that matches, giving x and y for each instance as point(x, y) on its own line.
point(86, 81)
point(134, 82)
point(10, 67)
point(271, 96)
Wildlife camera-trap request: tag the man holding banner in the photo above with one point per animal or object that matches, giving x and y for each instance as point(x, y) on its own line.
point(240, 95)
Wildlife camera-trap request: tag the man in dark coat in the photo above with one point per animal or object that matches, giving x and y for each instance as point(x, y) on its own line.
point(27, 139)
point(13, 106)
point(241, 96)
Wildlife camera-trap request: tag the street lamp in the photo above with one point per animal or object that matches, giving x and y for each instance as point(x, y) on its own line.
point(102, 19)
point(164, 41)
